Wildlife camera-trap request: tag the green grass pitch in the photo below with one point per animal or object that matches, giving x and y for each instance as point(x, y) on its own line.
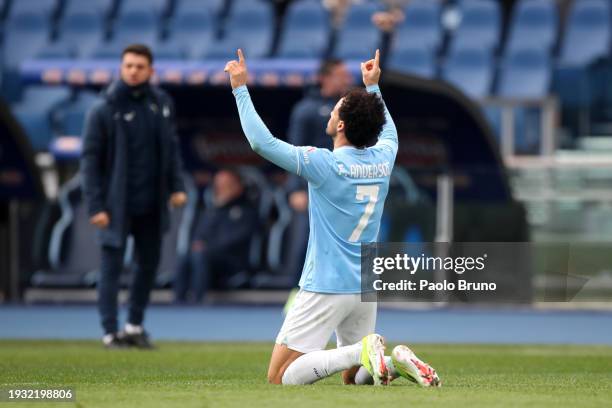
point(233, 375)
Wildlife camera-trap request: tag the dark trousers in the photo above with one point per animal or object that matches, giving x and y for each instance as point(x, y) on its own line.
point(206, 269)
point(147, 244)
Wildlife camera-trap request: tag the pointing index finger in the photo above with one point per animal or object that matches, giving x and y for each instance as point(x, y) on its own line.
point(240, 56)
point(377, 58)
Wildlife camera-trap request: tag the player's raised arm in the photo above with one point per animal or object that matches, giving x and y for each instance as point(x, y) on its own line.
point(370, 72)
point(262, 141)
point(300, 160)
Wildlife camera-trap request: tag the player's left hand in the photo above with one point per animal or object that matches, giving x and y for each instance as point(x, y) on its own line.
point(237, 71)
point(178, 199)
point(370, 70)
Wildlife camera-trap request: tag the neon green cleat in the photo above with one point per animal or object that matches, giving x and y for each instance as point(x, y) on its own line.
point(409, 366)
point(373, 358)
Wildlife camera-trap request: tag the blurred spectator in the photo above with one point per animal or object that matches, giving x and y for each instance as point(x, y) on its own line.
point(386, 20)
point(307, 128)
point(131, 169)
point(222, 237)
point(392, 16)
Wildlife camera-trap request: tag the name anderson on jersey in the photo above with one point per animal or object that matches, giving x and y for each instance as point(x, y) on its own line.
point(361, 171)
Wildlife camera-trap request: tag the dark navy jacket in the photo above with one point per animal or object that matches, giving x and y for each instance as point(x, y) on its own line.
point(104, 159)
point(227, 230)
point(307, 127)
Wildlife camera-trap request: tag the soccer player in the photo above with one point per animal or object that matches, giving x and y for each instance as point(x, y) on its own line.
point(347, 188)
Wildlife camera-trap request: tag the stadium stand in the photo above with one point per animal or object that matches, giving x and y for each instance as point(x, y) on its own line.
point(587, 34)
point(73, 252)
point(306, 31)
point(526, 73)
point(421, 26)
point(471, 70)
point(46, 8)
point(480, 25)
point(69, 117)
point(102, 7)
point(134, 25)
point(187, 30)
point(416, 60)
point(358, 37)
point(585, 40)
point(250, 26)
point(277, 274)
point(159, 7)
point(190, 32)
point(26, 31)
point(82, 28)
point(34, 112)
point(534, 24)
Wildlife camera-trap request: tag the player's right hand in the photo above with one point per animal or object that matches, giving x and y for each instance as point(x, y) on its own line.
point(100, 220)
point(237, 71)
point(370, 70)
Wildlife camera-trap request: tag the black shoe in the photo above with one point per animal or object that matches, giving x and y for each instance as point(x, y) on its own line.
point(114, 341)
point(138, 340)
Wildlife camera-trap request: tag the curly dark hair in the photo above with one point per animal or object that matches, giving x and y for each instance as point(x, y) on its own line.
point(363, 114)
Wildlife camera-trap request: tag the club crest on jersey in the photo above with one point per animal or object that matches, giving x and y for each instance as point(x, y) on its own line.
point(305, 153)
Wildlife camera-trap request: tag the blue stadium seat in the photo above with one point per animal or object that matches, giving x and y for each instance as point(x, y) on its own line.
point(69, 118)
point(420, 27)
point(55, 51)
point(45, 8)
point(471, 70)
point(34, 112)
point(249, 26)
point(3, 8)
point(525, 73)
point(188, 6)
point(136, 26)
point(82, 31)
point(25, 34)
point(534, 24)
point(480, 25)
point(107, 51)
point(358, 38)
point(170, 51)
point(190, 32)
point(73, 250)
point(306, 31)
point(526, 127)
point(159, 7)
point(100, 7)
point(418, 60)
point(587, 34)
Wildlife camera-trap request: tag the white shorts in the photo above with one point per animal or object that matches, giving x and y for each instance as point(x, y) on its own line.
point(315, 316)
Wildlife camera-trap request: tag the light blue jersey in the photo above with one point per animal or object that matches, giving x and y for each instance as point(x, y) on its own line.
point(347, 190)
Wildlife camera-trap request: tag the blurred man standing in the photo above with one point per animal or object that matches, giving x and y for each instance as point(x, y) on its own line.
point(131, 170)
point(307, 128)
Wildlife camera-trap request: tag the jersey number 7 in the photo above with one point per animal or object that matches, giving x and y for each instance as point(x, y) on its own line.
point(364, 191)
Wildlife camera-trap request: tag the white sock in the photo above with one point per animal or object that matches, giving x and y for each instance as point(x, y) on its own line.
point(364, 378)
point(133, 329)
point(314, 366)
